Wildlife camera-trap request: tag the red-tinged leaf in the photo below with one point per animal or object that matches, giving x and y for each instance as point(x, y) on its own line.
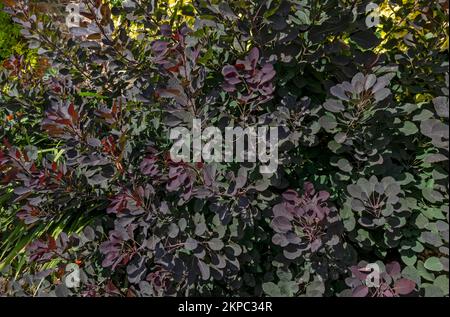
point(51, 243)
point(71, 109)
point(113, 110)
point(41, 180)
point(54, 166)
point(116, 206)
point(176, 37)
point(360, 291)
point(130, 293)
point(404, 286)
point(175, 68)
point(111, 288)
point(8, 3)
point(59, 176)
point(10, 174)
point(126, 258)
point(33, 168)
point(63, 121)
point(60, 272)
point(239, 66)
point(6, 143)
point(72, 112)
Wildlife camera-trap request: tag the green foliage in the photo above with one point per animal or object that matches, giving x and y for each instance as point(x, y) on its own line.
point(9, 36)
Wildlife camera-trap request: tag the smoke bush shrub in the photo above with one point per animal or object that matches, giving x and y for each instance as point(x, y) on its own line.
point(362, 179)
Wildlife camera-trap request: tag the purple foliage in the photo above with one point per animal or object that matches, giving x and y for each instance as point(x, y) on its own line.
point(253, 82)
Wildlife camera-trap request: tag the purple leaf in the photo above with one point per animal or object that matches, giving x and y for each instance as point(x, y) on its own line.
point(404, 286)
point(291, 196)
point(360, 291)
point(339, 92)
point(281, 224)
point(393, 268)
